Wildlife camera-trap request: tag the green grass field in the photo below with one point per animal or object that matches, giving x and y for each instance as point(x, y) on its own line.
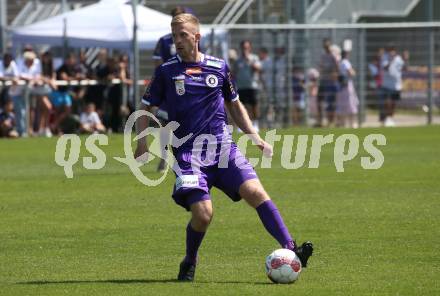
point(376, 232)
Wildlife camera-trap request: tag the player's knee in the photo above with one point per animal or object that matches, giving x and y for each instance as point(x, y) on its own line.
point(254, 194)
point(202, 219)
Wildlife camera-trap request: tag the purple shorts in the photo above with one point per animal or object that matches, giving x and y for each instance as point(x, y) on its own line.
point(193, 184)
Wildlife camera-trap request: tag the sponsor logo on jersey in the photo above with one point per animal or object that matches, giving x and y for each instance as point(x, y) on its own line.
point(192, 71)
point(211, 80)
point(215, 64)
point(196, 78)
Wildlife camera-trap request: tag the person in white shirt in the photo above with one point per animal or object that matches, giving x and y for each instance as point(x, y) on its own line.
point(30, 71)
point(90, 121)
point(391, 84)
point(9, 72)
point(346, 100)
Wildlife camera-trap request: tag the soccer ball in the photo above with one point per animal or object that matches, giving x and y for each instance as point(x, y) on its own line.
point(283, 266)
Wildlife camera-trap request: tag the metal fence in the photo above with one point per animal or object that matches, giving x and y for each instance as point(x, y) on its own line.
point(295, 51)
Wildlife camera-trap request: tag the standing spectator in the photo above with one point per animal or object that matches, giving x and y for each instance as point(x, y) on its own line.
point(82, 72)
point(21, 60)
point(8, 72)
point(267, 90)
point(246, 69)
point(126, 83)
point(7, 121)
point(328, 83)
point(61, 99)
point(280, 86)
point(90, 121)
point(30, 71)
point(346, 101)
point(375, 74)
point(299, 93)
point(114, 95)
point(97, 93)
point(43, 92)
point(312, 92)
point(392, 84)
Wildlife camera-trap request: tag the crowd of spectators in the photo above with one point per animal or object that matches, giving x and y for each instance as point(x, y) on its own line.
point(38, 97)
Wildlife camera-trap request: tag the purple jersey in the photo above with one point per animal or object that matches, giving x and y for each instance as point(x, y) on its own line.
point(193, 94)
point(165, 48)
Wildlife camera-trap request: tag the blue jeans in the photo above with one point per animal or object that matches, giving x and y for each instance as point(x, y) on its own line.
point(20, 114)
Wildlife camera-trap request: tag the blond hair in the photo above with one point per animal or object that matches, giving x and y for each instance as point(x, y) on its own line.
point(185, 18)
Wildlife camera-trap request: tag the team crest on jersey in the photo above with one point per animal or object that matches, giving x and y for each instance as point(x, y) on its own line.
point(180, 87)
point(179, 82)
point(211, 80)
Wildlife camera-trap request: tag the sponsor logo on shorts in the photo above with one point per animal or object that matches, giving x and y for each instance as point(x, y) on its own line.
point(187, 181)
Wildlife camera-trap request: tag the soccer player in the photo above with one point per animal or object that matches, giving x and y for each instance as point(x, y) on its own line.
point(164, 50)
point(196, 88)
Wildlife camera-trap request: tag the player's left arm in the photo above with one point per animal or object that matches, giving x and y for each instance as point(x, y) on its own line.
point(241, 118)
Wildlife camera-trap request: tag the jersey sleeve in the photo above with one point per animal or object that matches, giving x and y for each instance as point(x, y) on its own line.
point(157, 53)
point(155, 93)
point(229, 90)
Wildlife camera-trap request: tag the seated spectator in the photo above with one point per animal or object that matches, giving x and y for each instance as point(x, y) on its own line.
point(7, 121)
point(90, 121)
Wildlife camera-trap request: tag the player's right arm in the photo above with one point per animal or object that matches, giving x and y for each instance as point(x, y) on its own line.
point(154, 96)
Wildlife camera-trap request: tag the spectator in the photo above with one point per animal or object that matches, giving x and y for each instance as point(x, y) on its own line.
point(280, 86)
point(392, 84)
point(97, 93)
point(267, 90)
point(124, 67)
point(246, 70)
point(8, 72)
point(328, 83)
point(312, 92)
point(21, 60)
point(30, 71)
point(299, 93)
point(90, 121)
point(375, 74)
point(114, 95)
point(43, 91)
point(61, 99)
point(346, 101)
point(7, 121)
point(82, 72)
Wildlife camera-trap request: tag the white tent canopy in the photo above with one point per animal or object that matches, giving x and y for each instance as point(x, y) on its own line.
point(104, 24)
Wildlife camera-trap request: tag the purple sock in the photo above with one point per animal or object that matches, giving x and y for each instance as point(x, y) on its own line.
point(274, 224)
point(193, 242)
